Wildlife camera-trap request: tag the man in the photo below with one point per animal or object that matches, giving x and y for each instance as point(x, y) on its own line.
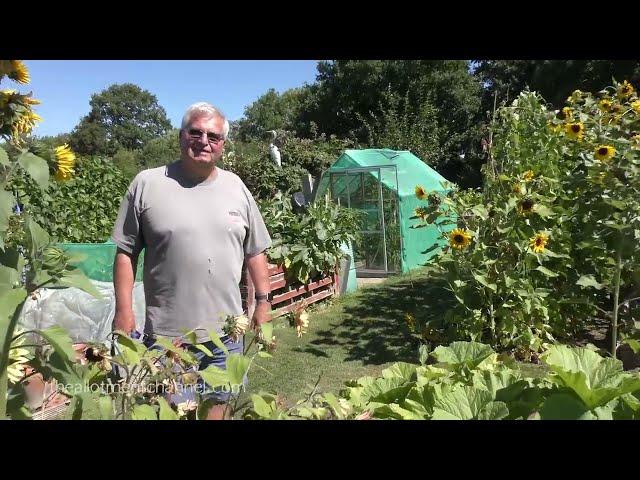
point(197, 224)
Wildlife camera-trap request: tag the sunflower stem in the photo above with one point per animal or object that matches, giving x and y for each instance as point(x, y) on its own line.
point(616, 297)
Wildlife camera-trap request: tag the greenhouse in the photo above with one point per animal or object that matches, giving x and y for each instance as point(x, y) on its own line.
point(381, 183)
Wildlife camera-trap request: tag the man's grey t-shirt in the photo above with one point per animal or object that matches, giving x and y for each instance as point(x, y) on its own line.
point(196, 237)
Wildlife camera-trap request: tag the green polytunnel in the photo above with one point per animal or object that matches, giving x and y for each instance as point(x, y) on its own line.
point(381, 183)
point(96, 259)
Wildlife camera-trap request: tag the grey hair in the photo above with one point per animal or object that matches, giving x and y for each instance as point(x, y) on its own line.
point(204, 109)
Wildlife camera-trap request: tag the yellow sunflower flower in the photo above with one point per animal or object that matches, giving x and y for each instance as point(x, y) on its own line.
point(528, 175)
point(421, 193)
point(538, 242)
point(605, 104)
point(605, 152)
point(526, 206)
point(575, 130)
point(625, 89)
point(420, 212)
point(65, 160)
point(459, 238)
point(567, 113)
point(19, 72)
point(636, 106)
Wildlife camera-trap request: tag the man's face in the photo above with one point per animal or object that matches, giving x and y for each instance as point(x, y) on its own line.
point(198, 150)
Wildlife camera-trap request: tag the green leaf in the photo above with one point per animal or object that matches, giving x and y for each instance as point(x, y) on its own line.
point(469, 354)
point(75, 278)
point(192, 338)
point(166, 412)
point(546, 271)
point(106, 408)
point(468, 403)
point(263, 354)
point(634, 344)
point(562, 406)
point(214, 376)
point(589, 281)
point(237, 366)
point(130, 349)
point(483, 280)
point(261, 407)
point(217, 342)
point(267, 330)
point(37, 237)
point(594, 379)
point(543, 210)
point(8, 276)
point(184, 355)
point(59, 339)
point(36, 167)
point(143, 412)
point(7, 201)
point(4, 158)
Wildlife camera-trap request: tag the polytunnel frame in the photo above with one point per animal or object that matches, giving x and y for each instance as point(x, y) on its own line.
point(377, 169)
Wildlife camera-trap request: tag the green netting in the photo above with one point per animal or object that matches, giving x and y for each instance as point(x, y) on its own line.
point(353, 181)
point(98, 261)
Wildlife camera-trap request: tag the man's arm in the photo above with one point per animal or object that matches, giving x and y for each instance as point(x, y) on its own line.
point(259, 272)
point(124, 274)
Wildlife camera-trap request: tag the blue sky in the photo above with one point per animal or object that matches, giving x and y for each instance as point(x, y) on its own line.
point(65, 86)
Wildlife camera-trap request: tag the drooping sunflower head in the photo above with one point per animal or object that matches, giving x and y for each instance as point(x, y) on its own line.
point(625, 89)
point(566, 113)
point(459, 238)
point(604, 152)
point(517, 188)
point(538, 242)
point(19, 72)
point(636, 106)
point(420, 212)
point(526, 206)
point(421, 193)
point(575, 130)
point(605, 105)
point(575, 96)
point(65, 161)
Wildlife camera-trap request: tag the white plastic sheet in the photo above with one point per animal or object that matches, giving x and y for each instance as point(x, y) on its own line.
point(84, 317)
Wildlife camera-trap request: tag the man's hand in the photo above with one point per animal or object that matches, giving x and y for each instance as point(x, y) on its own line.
point(261, 314)
point(125, 321)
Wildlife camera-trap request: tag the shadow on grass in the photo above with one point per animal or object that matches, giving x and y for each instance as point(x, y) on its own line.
point(373, 328)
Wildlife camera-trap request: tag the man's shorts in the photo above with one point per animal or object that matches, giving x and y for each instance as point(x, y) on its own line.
point(218, 395)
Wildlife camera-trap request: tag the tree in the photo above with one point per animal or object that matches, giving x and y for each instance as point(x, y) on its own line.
point(121, 117)
point(553, 79)
point(271, 111)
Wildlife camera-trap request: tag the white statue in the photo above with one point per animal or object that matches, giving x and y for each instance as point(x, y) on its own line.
point(273, 150)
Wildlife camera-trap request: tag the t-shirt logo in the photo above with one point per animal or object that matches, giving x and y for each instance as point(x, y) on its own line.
point(234, 216)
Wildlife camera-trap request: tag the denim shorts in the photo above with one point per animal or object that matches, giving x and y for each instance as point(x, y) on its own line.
point(216, 395)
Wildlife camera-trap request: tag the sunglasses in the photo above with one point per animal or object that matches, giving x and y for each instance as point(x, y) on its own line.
point(196, 134)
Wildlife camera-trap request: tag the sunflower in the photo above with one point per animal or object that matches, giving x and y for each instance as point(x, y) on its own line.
point(420, 212)
point(567, 113)
point(538, 242)
point(574, 97)
point(65, 160)
point(517, 188)
point(625, 89)
point(636, 106)
point(554, 128)
point(605, 104)
point(459, 238)
point(421, 193)
point(24, 125)
point(605, 152)
point(19, 72)
point(301, 320)
point(575, 130)
point(235, 326)
point(526, 206)
point(528, 175)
